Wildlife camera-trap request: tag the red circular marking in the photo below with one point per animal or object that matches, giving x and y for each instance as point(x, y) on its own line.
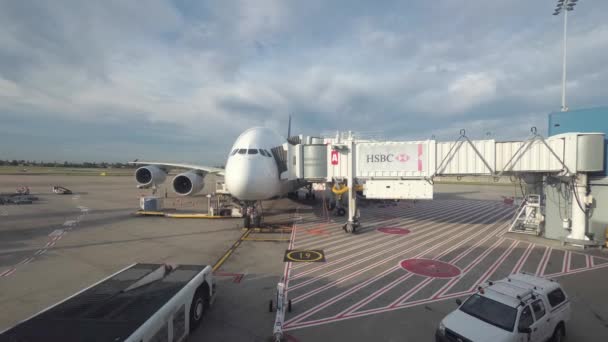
point(430, 268)
point(394, 230)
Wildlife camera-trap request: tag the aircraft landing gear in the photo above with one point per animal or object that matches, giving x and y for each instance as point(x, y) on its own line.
point(253, 215)
point(351, 226)
point(310, 194)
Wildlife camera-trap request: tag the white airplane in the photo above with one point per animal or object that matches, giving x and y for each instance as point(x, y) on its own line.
point(252, 172)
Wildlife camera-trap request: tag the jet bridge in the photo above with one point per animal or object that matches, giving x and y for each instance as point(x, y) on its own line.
point(406, 169)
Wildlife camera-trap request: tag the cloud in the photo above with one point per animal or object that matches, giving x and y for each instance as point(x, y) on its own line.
point(208, 70)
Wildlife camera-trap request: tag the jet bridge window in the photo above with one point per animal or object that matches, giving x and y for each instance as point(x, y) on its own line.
point(252, 151)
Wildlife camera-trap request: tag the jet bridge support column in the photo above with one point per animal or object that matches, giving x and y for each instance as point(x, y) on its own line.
point(578, 232)
point(353, 220)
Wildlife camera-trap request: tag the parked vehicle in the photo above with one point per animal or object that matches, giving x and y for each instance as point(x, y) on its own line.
point(521, 307)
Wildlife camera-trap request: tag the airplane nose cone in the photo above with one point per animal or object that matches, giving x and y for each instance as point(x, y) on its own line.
point(246, 182)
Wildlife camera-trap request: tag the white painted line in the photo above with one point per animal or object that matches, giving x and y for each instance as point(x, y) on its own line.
point(487, 274)
point(56, 232)
point(404, 297)
point(543, 260)
point(346, 293)
point(70, 223)
point(565, 262)
point(414, 236)
point(392, 257)
point(377, 293)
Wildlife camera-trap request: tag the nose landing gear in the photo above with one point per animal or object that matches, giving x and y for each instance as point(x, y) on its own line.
point(253, 215)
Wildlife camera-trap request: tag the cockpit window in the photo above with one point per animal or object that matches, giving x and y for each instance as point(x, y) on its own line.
point(234, 151)
point(252, 151)
point(263, 152)
point(243, 151)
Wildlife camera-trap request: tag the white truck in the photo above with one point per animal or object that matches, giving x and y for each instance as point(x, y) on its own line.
point(140, 303)
point(520, 308)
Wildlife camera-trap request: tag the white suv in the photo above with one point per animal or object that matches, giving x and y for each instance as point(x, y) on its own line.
point(521, 307)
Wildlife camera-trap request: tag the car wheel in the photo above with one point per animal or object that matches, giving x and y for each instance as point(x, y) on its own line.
point(558, 334)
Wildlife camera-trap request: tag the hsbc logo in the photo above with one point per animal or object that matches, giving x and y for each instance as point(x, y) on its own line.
point(387, 158)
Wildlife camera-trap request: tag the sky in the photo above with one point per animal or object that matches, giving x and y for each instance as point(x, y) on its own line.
point(178, 81)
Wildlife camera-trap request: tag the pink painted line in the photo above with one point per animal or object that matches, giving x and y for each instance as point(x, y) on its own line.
point(327, 303)
point(428, 213)
point(419, 157)
point(569, 260)
point(395, 283)
point(26, 261)
point(416, 237)
point(565, 262)
point(592, 261)
point(543, 260)
point(369, 312)
point(9, 272)
point(374, 238)
point(588, 260)
point(292, 240)
point(399, 254)
point(410, 293)
point(542, 272)
point(6, 271)
point(448, 286)
point(477, 244)
point(522, 260)
point(576, 271)
point(369, 267)
point(494, 266)
point(375, 295)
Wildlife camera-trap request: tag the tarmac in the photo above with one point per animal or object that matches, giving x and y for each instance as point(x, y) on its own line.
point(373, 285)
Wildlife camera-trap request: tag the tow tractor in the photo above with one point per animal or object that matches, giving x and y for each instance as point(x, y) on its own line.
point(140, 303)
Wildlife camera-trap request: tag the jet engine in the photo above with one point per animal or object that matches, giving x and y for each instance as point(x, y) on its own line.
point(188, 183)
point(149, 175)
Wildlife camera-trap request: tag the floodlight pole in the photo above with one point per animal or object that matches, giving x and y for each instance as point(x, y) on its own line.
point(564, 107)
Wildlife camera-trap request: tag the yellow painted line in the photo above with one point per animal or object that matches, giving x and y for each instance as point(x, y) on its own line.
point(230, 250)
point(291, 256)
point(150, 213)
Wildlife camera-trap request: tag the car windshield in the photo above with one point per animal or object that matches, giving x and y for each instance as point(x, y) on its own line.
point(490, 311)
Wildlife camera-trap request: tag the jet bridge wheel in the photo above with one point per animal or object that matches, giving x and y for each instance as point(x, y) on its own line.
point(341, 212)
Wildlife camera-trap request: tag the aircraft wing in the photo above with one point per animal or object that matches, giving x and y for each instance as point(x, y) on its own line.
point(208, 169)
